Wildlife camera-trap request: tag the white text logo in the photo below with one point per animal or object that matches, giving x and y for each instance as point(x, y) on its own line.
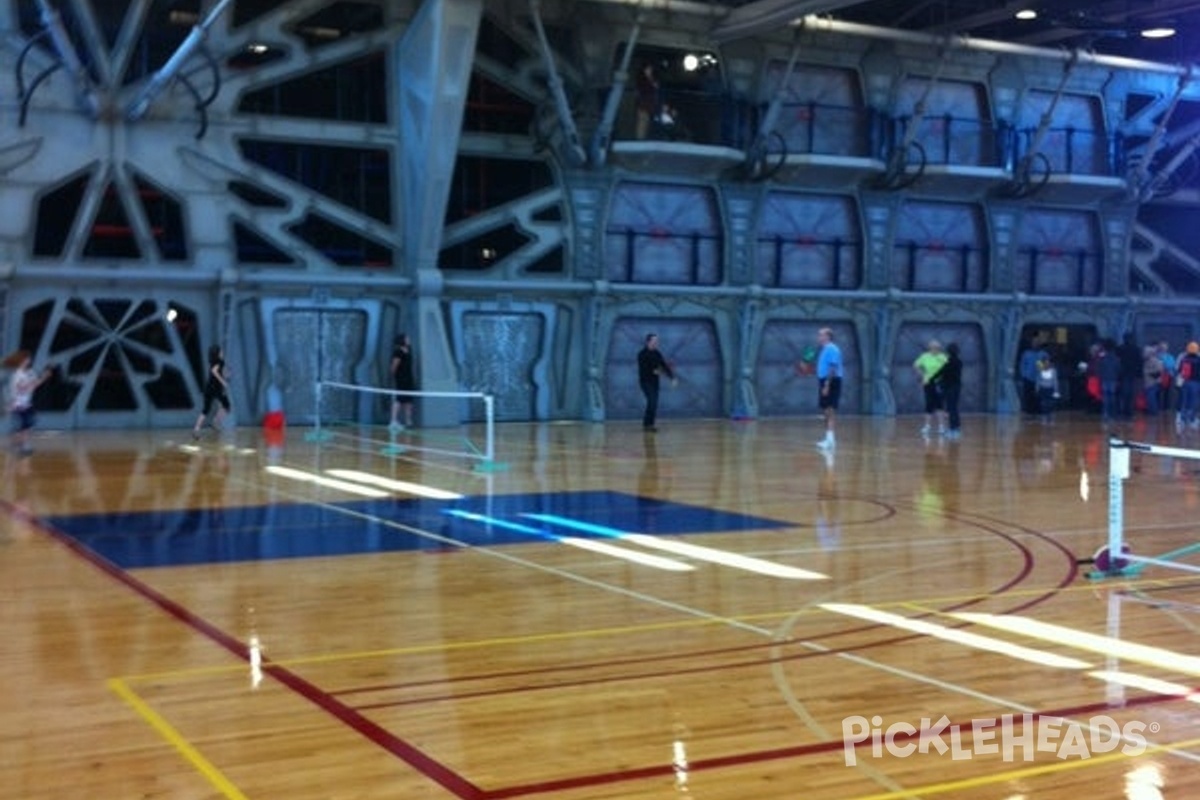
point(1012, 737)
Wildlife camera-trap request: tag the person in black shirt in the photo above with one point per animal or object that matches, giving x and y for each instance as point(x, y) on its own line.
point(1129, 379)
point(216, 391)
point(403, 379)
point(949, 379)
point(651, 365)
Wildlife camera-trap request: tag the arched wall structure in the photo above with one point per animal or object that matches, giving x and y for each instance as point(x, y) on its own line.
point(298, 180)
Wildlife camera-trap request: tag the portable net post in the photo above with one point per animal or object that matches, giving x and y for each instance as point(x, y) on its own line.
point(1118, 471)
point(489, 463)
point(1117, 557)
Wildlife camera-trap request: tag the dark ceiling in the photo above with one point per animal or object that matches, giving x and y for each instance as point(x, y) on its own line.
point(1109, 27)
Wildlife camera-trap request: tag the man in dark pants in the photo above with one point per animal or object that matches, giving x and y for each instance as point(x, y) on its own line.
point(651, 365)
point(1130, 378)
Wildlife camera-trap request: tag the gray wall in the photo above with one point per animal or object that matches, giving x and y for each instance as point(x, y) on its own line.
point(335, 193)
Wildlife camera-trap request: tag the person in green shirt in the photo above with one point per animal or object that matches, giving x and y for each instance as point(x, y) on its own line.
point(928, 365)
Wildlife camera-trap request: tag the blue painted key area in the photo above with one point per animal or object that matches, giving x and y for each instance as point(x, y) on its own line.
point(251, 533)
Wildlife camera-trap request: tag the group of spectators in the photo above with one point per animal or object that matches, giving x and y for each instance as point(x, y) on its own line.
point(1121, 379)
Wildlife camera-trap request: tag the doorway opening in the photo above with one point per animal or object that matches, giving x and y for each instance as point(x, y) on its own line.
point(1069, 347)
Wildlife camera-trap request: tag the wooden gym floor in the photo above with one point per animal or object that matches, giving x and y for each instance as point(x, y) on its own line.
point(713, 611)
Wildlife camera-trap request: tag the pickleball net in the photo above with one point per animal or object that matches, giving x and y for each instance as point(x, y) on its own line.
point(360, 417)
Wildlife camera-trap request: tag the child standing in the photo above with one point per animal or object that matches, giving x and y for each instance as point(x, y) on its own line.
point(21, 386)
point(1047, 389)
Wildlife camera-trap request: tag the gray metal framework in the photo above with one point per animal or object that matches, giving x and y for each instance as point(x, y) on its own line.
point(175, 181)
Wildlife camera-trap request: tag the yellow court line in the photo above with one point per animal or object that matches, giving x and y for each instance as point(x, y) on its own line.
point(176, 739)
point(1027, 772)
point(445, 646)
point(1122, 583)
point(618, 631)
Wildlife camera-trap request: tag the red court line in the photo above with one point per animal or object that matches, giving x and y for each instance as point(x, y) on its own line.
point(415, 758)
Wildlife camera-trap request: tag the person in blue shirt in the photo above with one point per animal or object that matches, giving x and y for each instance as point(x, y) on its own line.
point(829, 380)
point(1028, 369)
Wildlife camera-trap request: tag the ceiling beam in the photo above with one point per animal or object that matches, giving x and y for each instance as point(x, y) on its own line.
point(761, 16)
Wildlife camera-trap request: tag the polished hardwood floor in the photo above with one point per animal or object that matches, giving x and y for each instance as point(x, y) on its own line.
point(717, 611)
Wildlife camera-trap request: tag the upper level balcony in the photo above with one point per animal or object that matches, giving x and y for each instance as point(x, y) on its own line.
point(836, 148)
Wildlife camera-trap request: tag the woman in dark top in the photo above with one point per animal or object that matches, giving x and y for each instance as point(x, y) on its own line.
point(216, 390)
point(403, 379)
point(949, 378)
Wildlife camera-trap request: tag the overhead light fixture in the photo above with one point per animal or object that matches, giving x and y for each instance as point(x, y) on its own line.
point(1026, 13)
point(1158, 32)
point(321, 32)
point(694, 61)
